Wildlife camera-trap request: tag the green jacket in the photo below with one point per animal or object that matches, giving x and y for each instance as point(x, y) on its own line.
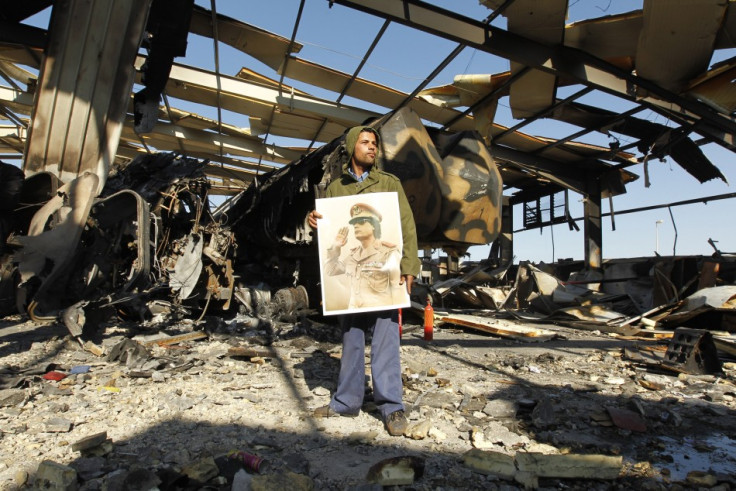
point(379, 182)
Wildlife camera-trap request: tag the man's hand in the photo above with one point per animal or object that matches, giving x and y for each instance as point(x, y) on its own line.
point(313, 217)
point(341, 238)
point(409, 280)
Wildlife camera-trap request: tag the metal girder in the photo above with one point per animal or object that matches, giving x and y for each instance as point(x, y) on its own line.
point(216, 142)
point(559, 60)
point(196, 85)
point(264, 46)
point(549, 169)
point(653, 137)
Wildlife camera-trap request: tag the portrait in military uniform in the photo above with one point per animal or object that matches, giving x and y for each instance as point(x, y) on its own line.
point(360, 248)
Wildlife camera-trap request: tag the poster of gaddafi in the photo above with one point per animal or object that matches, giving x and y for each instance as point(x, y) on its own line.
point(360, 246)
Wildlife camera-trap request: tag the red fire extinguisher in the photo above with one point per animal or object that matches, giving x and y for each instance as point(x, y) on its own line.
point(428, 322)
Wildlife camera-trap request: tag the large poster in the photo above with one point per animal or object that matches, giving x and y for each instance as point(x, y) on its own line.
point(360, 246)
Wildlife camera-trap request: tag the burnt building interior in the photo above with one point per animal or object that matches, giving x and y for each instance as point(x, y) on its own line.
point(137, 187)
point(108, 189)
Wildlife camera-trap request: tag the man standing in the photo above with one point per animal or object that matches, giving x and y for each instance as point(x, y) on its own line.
point(360, 176)
point(373, 267)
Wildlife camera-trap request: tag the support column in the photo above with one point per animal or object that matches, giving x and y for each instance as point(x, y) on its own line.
point(592, 225)
point(506, 237)
point(502, 249)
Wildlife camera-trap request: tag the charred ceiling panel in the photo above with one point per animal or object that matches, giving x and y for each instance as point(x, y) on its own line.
point(84, 86)
point(543, 22)
point(716, 88)
point(234, 94)
point(656, 141)
point(268, 48)
point(166, 38)
point(677, 38)
point(611, 38)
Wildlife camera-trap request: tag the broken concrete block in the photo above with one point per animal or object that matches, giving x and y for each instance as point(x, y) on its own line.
point(58, 425)
point(627, 420)
point(93, 348)
point(51, 475)
point(90, 441)
point(437, 434)
point(543, 414)
point(286, 480)
point(574, 466)
point(12, 397)
point(490, 463)
point(478, 438)
point(500, 409)
point(418, 431)
point(89, 467)
point(100, 450)
point(396, 471)
point(701, 479)
point(135, 480)
point(241, 481)
point(201, 470)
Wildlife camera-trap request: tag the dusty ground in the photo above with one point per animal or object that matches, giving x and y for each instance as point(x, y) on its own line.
point(168, 410)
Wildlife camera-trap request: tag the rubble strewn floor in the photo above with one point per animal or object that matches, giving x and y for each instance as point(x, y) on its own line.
point(171, 413)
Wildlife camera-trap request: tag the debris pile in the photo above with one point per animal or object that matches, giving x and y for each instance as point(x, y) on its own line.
point(147, 249)
point(224, 408)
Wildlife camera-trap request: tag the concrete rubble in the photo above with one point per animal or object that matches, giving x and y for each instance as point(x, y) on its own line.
point(172, 408)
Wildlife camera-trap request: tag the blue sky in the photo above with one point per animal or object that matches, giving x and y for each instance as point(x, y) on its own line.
point(338, 37)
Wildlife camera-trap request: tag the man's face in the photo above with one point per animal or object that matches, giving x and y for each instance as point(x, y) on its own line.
point(365, 149)
point(363, 228)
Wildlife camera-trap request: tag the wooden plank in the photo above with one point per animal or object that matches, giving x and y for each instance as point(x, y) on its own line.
point(499, 327)
point(726, 345)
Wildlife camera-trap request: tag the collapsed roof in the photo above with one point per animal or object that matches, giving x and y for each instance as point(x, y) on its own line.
point(138, 98)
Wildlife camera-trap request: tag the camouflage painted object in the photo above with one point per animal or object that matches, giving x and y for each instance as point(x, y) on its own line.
point(471, 203)
point(408, 153)
point(450, 180)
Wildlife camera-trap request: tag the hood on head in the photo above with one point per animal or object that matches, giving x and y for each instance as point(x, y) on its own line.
point(352, 138)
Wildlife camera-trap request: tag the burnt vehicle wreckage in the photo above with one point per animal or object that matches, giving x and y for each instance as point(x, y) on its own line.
point(150, 237)
point(101, 226)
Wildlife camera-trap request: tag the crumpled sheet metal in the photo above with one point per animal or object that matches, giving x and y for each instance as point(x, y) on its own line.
point(71, 206)
point(188, 267)
point(717, 297)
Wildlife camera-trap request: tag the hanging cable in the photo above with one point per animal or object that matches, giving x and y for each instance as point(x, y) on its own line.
point(674, 225)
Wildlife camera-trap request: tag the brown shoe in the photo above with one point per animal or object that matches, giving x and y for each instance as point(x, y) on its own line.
point(396, 423)
point(327, 412)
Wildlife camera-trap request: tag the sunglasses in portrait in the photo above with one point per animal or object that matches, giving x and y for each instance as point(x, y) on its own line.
point(361, 221)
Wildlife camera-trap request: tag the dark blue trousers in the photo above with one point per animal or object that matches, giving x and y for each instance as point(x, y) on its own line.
point(385, 363)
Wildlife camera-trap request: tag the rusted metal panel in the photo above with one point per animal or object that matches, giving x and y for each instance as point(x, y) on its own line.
point(84, 87)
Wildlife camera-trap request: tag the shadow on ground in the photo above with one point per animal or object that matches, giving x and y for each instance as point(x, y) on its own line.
point(567, 416)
